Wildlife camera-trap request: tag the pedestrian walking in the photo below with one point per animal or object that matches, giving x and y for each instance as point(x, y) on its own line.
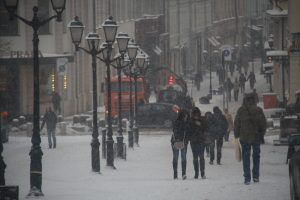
point(252, 80)
point(50, 119)
point(256, 99)
point(219, 129)
point(179, 142)
point(210, 125)
point(196, 130)
point(198, 80)
point(228, 87)
point(236, 89)
point(56, 102)
point(242, 80)
point(229, 120)
point(250, 127)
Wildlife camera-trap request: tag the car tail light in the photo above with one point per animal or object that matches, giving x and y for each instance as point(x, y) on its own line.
point(175, 109)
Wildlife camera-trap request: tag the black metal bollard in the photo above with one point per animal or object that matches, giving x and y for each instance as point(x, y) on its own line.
point(130, 138)
point(103, 143)
point(120, 144)
point(136, 136)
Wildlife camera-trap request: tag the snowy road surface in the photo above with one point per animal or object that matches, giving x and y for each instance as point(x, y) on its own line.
point(146, 175)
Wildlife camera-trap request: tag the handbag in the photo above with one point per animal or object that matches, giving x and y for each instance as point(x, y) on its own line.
point(179, 144)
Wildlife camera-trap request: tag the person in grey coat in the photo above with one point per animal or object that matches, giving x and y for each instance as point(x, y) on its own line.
point(50, 119)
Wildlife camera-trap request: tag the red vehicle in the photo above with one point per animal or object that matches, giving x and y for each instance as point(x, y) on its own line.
point(141, 95)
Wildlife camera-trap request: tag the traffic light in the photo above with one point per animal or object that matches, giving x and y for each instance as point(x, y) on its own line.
point(170, 80)
point(269, 59)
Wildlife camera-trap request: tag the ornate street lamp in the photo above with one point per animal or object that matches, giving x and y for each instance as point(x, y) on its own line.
point(93, 40)
point(132, 52)
point(36, 152)
point(110, 28)
point(138, 71)
point(121, 62)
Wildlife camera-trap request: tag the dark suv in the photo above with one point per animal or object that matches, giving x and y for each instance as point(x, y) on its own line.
point(157, 114)
point(293, 159)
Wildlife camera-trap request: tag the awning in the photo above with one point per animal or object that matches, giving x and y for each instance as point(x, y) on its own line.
point(255, 28)
point(277, 13)
point(27, 59)
point(157, 50)
point(213, 41)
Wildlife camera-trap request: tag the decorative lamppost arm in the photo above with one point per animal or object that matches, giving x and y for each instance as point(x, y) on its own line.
point(35, 152)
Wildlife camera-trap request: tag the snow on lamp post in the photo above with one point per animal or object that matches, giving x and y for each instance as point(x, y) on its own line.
point(36, 152)
point(132, 53)
point(93, 40)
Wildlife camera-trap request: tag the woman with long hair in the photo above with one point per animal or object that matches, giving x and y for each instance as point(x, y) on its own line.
point(179, 142)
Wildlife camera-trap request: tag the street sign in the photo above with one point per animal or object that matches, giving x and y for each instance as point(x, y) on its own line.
point(61, 64)
point(227, 52)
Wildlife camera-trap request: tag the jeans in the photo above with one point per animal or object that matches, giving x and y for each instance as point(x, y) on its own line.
point(246, 152)
point(176, 153)
point(198, 152)
point(219, 142)
point(51, 136)
point(183, 159)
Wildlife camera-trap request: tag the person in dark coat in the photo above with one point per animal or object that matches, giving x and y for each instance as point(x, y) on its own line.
point(256, 99)
point(228, 87)
point(242, 80)
point(218, 131)
point(50, 119)
point(250, 127)
point(180, 134)
point(209, 131)
point(197, 128)
point(252, 80)
point(56, 102)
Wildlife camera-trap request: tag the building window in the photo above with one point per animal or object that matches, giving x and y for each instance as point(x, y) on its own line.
point(7, 27)
point(44, 14)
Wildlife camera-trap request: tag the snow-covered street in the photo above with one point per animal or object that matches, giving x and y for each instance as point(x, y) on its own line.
point(147, 173)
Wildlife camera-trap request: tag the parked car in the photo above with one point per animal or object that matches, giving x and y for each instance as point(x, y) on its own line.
point(157, 114)
point(293, 159)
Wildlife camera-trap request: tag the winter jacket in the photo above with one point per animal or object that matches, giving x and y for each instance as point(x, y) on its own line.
point(249, 123)
point(220, 125)
point(50, 119)
point(196, 130)
point(179, 132)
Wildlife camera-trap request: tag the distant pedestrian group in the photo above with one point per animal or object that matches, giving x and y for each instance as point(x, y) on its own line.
point(209, 131)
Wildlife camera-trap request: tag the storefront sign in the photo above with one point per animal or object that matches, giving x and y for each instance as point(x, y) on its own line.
point(23, 54)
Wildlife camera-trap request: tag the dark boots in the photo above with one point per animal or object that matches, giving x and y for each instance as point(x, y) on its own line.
point(183, 167)
point(175, 170)
point(196, 168)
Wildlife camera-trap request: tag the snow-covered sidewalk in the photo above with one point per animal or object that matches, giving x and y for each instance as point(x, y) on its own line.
point(146, 175)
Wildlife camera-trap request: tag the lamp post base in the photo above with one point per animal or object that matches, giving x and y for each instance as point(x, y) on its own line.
point(104, 143)
point(35, 171)
point(130, 138)
point(110, 153)
point(95, 155)
point(121, 147)
point(136, 136)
